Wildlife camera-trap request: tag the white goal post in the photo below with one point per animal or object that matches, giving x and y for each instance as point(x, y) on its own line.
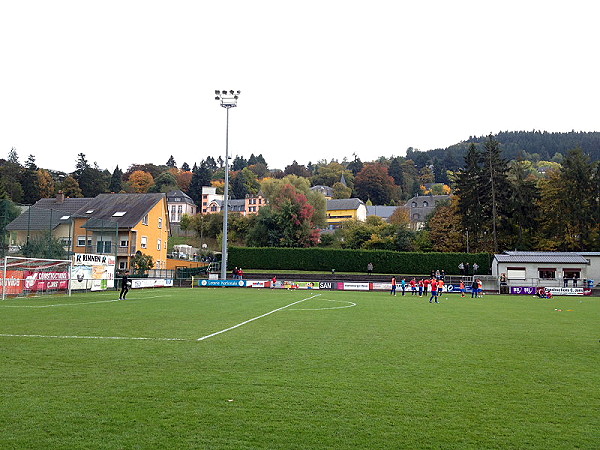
point(22, 277)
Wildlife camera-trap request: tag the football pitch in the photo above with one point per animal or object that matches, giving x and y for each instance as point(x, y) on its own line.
point(277, 369)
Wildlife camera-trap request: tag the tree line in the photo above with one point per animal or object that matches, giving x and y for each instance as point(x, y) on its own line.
point(497, 203)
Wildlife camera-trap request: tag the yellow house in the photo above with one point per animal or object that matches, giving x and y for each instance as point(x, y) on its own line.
point(122, 225)
point(343, 210)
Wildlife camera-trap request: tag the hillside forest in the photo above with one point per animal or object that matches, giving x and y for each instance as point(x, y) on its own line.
point(513, 190)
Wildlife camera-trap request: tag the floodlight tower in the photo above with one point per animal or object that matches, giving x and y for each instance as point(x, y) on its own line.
point(228, 100)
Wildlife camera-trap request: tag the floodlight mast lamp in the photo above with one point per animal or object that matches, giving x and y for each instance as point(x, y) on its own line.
point(228, 100)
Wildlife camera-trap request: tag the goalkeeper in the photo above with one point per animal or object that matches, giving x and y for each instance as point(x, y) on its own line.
point(124, 285)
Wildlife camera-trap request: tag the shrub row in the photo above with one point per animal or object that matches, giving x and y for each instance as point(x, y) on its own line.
point(323, 259)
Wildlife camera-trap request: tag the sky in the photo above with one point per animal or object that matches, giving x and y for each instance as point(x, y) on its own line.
point(132, 82)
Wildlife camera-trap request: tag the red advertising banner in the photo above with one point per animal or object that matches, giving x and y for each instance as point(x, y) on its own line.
point(13, 282)
point(46, 281)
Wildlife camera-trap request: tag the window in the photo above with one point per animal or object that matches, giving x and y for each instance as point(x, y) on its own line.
point(119, 213)
point(515, 273)
point(65, 242)
point(158, 244)
point(144, 242)
point(160, 222)
point(145, 220)
point(547, 273)
point(416, 216)
point(81, 241)
point(425, 204)
point(122, 265)
point(414, 204)
point(103, 247)
point(124, 243)
point(89, 211)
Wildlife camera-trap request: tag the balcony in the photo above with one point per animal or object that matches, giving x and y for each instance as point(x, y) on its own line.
point(106, 248)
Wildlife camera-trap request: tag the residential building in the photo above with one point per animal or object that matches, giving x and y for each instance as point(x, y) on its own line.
point(214, 203)
point(327, 191)
point(254, 203)
point(123, 224)
point(385, 212)
point(421, 206)
point(209, 195)
point(179, 203)
point(343, 210)
point(47, 217)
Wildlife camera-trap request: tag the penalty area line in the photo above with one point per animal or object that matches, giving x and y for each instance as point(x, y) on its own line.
point(124, 338)
point(255, 318)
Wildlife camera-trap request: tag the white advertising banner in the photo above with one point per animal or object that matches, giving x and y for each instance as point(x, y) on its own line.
point(356, 286)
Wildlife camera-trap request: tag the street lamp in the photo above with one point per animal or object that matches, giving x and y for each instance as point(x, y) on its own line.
point(228, 100)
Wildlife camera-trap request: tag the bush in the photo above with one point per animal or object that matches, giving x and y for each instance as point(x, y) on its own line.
point(343, 260)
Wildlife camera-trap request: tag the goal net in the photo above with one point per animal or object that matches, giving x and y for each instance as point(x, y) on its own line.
point(22, 277)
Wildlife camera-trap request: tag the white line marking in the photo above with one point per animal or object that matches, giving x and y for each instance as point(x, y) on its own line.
point(56, 304)
point(254, 318)
point(94, 337)
point(350, 305)
point(79, 303)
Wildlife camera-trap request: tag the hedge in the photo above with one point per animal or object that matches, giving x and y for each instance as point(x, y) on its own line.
point(324, 259)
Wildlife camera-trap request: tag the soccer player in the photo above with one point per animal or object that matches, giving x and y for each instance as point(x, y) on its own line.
point(434, 286)
point(421, 288)
point(462, 288)
point(393, 291)
point(124, 285)
point(413, 287)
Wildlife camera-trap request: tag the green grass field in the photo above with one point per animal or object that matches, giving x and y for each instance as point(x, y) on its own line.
point(339, 370)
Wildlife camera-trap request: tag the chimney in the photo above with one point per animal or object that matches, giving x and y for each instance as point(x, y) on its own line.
point(60, 197)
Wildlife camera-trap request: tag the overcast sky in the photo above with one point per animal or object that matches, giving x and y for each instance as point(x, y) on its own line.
point(133, 81)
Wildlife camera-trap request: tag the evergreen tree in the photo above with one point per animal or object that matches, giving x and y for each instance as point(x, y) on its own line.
point(185, 167)
point(395, 171)
point(239, 163)
point(568, 205)
point(355, 165)
point(29, 182)
point(524, 206)
point(495, 189)
point(201, 176)
point(467, 190)
point(171, 162)
point(211, 164)
point(116, 181)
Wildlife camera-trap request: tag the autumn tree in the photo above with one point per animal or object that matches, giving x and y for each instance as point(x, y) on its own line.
point(70, 187)
point(184, 179)
point(374, 183)
point(45, 183)
point(271, 188)
point(140, 181)
point(286, 222)
point(445, 229)
point(331, 173)
point(340, 190)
